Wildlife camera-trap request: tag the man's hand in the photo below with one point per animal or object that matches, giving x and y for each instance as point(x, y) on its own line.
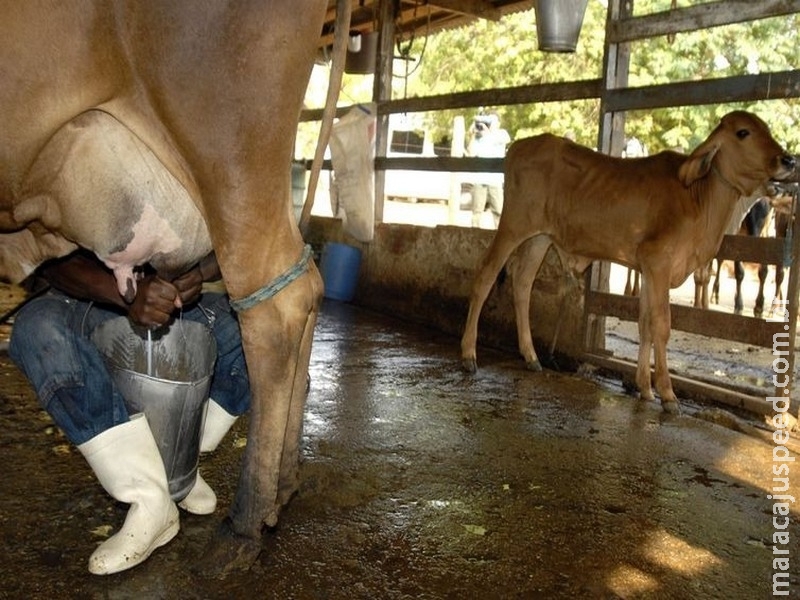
point(82, 275)
point(189, 286)
point(155, 302)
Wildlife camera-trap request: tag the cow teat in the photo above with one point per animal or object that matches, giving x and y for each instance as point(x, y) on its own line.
point(126, 283)
point(130, 292)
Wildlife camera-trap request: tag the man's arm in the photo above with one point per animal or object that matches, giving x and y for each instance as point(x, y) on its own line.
point(81, 275)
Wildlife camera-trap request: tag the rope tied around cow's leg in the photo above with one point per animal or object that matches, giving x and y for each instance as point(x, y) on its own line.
point(276, 285)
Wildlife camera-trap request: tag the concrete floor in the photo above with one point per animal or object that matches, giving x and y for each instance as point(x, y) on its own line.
point(420, 481)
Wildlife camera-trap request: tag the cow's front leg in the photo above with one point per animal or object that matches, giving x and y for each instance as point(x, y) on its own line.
point(659, 327)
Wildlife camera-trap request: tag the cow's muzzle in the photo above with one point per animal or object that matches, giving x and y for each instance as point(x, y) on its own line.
point(788, 170)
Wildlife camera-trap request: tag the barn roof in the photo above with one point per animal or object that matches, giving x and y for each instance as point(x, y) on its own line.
point(420, 17)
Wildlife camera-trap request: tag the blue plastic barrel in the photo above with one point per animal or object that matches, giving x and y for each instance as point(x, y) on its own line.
point(339, 265)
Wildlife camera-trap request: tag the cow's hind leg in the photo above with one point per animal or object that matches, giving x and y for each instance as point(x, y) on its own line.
point(782, 224)
point(715, 288)
point(526, 265)
point(643, 380)
point(702, 277)
point(278, 331)
point(738, 302)
point(632, 283)
point(496, 256)
point(758, 308)
point(778, 303)
point(289, 472)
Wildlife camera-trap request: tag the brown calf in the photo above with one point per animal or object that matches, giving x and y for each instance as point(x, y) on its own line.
point(664, 215)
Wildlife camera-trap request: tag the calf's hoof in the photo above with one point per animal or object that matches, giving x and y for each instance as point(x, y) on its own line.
point(671, 407)
point(646, 396)
point(470, 365)
point(533, 365)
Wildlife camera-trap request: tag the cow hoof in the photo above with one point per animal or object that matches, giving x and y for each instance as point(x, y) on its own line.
point(533, 365)
point(671, 407)
point(227, 552)
point(286, 491)
point(470, 365)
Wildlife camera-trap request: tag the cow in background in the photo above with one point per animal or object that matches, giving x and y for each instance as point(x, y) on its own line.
point(150, 132)
point(761, 212)
point(741, 212)
point(664, 214)
point(755, 224)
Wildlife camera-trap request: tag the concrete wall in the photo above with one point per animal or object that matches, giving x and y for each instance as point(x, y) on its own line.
point(425, 275)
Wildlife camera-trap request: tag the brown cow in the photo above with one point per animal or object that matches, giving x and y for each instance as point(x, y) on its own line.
point(664, 215)
point(126, 127)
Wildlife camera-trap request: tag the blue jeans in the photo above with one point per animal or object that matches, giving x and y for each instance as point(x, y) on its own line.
point(50, 343)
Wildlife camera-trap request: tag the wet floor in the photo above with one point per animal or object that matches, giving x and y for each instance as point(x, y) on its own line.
point(420, 481)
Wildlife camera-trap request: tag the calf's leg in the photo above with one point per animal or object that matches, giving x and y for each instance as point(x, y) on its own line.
point(777, 301)
point(496, 256)
point(715, 288)
point(632, 283)
point(643, 382)
point(526, 265)
point(702, 277)
point(660, 329)
point(758, 308)
point(738, 303)
point(654, 330)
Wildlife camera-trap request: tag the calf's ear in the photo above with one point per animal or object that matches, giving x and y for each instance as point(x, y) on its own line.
point(697, 164)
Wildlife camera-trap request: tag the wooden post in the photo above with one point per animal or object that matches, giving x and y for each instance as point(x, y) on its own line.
point(611, 140)
point(382, 92)
point(793, 298)
point(456, 150)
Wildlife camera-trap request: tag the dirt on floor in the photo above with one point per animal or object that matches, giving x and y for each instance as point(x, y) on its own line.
point(420, 481)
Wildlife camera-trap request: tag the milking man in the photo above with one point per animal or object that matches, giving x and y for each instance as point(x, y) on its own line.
point(51, 344)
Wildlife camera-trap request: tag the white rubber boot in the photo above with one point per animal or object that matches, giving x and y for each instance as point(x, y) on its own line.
point(127, 463)
point(201, 499)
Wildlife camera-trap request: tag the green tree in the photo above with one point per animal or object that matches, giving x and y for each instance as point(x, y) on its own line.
point(489, 55)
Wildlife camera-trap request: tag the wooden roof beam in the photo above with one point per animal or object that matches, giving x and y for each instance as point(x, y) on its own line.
point(471, 8)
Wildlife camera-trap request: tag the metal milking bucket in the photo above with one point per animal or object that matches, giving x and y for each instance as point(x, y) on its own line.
point(167, 376)
point(558, 24)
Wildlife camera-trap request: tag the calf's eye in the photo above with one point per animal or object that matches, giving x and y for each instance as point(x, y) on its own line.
point(742, 133)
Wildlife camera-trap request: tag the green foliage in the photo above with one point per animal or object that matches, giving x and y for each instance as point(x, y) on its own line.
point(488, 55)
